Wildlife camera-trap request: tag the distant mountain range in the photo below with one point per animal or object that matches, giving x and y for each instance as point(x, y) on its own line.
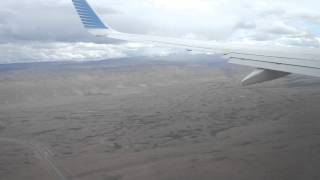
point(120, 63)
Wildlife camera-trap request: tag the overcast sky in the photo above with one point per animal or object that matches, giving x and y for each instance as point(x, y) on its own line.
point(50, 30)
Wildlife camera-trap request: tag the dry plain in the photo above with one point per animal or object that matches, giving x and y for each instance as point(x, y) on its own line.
point(161, 118)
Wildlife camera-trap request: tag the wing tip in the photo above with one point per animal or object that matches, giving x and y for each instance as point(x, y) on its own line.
point(88, 17)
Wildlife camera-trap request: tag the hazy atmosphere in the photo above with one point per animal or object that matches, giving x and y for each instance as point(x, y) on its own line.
point(77, 107)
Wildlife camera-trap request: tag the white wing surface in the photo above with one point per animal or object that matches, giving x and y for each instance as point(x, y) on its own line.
point(270, 64)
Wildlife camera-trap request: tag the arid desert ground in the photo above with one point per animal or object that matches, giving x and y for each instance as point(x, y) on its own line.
point(162, 118)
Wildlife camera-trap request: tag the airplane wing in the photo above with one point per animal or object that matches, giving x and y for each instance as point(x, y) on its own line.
point(270, 64)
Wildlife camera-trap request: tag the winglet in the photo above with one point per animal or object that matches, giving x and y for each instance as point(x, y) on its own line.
point(88, 17)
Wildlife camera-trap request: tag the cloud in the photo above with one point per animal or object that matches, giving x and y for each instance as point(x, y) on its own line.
point(25, 25)
point(56, 20)
point(220, 20)
point(67, 51)
point(42, 20)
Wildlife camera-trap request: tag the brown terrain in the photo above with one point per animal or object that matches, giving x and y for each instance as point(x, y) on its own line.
point(182, 118)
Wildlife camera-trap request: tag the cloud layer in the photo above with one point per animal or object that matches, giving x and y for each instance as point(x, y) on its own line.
point(50, 29)
point(74, 51)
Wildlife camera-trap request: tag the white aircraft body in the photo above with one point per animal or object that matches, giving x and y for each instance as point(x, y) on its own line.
point(270, 64)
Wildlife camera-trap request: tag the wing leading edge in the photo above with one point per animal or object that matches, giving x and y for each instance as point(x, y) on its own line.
point(270, 64)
